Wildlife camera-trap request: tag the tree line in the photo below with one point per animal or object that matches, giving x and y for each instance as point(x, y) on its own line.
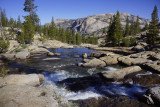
point(9, 22)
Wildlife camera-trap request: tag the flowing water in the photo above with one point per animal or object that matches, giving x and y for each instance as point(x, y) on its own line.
point(71, 81)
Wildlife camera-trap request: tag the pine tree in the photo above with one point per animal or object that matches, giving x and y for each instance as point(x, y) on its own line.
point(11, 22)
point(31, 8)
point(52, 30)
point(127, 28)
point(28, 31)
point(110, 30)
point(137, 26)
point(73, 37)
point(63, 35)
point(117, 36)
point(3, 17)
point(45, 30)
point(145, 27)
point(78, 39)
point(104, 31)
point(152, 34)
point(132, 27)
point(19, 23)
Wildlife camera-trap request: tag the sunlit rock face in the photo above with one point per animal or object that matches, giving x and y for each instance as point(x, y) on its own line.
point(96, 23)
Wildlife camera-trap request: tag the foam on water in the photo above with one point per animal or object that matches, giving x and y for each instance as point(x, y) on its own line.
point(90, 71)
point(62, 65)
point(147, 73)
point(80, 95)
point(111, 68)
point(59, 75)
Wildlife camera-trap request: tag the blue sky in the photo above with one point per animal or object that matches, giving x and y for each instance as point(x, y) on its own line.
point(72, 9)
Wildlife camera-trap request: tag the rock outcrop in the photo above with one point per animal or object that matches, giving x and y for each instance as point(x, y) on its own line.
point(95, 23)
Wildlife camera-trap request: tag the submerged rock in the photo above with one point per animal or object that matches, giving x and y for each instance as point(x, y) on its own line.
point(119, 74)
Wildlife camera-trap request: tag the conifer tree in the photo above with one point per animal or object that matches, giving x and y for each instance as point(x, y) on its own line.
point(127, 27)
point(145, 27)
point(153, 30)
point(28, 31)
point(110, 30)
point(104, 31)
point(31, 8)
point(4, 19)
point(132, 27)
point(78, 39)
point(73, 37)
point(19, 23)
point(137, 26)
point(117, 36)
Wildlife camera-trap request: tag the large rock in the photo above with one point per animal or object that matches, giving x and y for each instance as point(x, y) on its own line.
point(27, 96)
point(31, 79)
point(120, 74)
point(94, 63)
point(110, 60)
point(23, 54)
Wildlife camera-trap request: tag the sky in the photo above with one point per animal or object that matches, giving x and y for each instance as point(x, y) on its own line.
point(72, 9)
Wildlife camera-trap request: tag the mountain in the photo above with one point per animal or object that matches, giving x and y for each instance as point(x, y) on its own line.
point(93, 25)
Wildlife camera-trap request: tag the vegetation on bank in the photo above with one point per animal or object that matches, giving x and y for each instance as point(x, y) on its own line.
point(3, 72)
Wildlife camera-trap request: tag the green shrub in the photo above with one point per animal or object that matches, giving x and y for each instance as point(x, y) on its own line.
point(24, 46)
point(3, 72)
point(128, 41)
point(4, 45)
point(17, 50)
